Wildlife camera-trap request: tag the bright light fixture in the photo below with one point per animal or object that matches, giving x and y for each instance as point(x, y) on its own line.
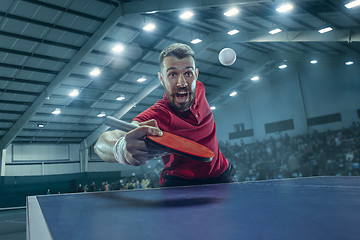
point(353, 4)
point(151, 12)
point(149, 27)
point(231, 12)
point(142, 79)
point(74, 93)
point(233, 32)
point(196, 41)
point(122, 97)
point(186, 15)
point(118, 48)
point(275, 31)
point(314, 61)
point(284, 8)
point(212, 107)
point(325, 30)
point(349, 63)
point(95, 72)
point(283, 66)
point(40, 125)
point(233, 94)
point(254, 78)
point(56, 111)
point(102, 114)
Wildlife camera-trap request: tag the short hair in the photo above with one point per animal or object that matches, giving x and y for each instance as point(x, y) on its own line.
point(178, 50)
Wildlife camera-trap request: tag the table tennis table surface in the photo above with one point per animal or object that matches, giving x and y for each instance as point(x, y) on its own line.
point(300, 208)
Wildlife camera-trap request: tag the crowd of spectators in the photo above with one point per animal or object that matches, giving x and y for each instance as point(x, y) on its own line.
point(330, 153)
point(145, 178)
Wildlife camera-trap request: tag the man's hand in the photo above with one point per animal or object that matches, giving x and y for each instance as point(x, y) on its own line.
point(129, 148)
point(137, 151)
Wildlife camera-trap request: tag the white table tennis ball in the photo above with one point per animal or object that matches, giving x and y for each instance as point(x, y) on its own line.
point(227, 56)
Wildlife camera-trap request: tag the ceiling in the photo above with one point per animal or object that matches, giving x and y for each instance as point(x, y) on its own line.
point(49, 47)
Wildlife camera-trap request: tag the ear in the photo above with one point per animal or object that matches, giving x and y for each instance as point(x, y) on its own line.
point(161, 79)
point(196, 73)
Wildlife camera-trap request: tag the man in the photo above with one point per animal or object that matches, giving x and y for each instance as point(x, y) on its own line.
point(183, 111)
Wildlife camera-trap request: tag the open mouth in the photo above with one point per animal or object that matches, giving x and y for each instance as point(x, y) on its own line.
point(182, 96)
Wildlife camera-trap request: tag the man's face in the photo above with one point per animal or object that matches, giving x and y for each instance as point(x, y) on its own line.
point(178, 76)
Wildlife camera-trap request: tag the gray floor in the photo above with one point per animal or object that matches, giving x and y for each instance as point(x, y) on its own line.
point(13, 224)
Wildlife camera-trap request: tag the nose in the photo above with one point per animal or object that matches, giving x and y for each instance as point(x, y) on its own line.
point(181, 81)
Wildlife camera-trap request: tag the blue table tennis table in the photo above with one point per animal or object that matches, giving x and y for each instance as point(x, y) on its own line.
point(301, 208)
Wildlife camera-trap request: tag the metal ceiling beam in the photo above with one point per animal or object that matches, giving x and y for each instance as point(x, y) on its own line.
point(98, 36)
point(32, 130)
point(22, 80)
point(25, 68)
point(28, 54)
point(320, 57)
point(166, 5)
point(348, 35)
point(38, 40)
point(19, 92)
point(15, 102)
point(63, 9)
point(44, 24)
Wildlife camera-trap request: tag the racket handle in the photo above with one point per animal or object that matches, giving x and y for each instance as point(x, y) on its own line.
point(119, 124)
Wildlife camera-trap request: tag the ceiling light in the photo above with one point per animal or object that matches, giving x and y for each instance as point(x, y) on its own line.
point(233, 94)
point(149, 27)
point(255, 78)
point(122, 97)
point(74, 93)
point(324, 30)
point(231, 12)
point(40, 125)
point(151, 12)
point(314, 61)
point(102, 114)
point(349, 63)
point(142, 79)
point(275, 31)
point(283, 66)
point(186, 15)
point(95, 72)
point(233, 32)
point(196, 41)
point(353, 4)
point(284, 8)
point(56, 111)
point(212, 107)
point(118, 48)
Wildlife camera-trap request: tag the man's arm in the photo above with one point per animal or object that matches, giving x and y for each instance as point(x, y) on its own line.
point(105, 145)
point(130, 148)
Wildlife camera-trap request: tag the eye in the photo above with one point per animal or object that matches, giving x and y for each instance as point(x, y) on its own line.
point(188, 74)
point(172, 74)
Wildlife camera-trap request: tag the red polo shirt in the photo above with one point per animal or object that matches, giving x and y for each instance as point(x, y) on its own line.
point(198, 125)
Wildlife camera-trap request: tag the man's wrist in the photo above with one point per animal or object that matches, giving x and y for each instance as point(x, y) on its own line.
point(119, 151)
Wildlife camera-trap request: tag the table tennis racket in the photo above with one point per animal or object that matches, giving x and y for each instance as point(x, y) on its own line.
point(168, 142)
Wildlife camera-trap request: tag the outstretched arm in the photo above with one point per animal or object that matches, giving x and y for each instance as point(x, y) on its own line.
point(128, 148)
